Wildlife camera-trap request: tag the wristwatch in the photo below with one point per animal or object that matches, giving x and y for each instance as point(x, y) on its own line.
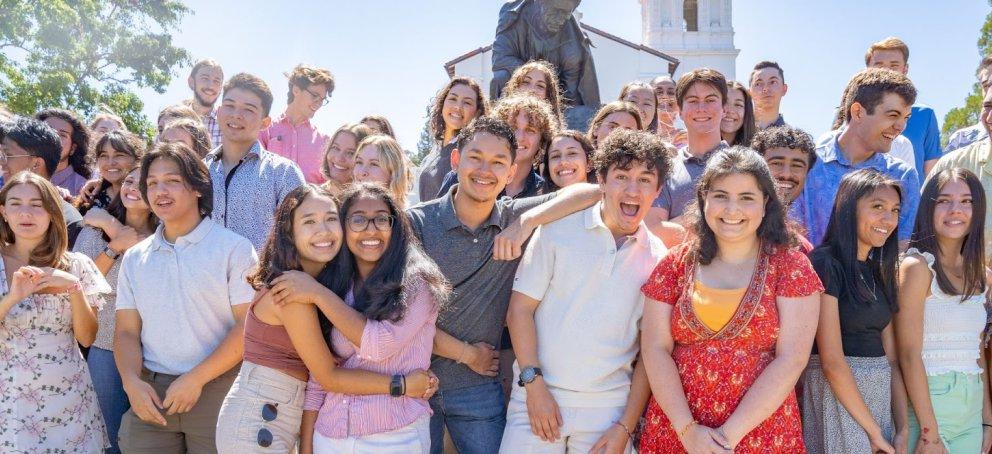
point(109, 252)
point(396, 386)
point(528, 375)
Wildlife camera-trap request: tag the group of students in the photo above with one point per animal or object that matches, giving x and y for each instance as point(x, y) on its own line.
point(690, 274)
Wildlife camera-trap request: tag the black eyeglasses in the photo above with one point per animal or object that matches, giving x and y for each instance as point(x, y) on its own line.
point(269, 414)
point(360, 222)
point(323, 99)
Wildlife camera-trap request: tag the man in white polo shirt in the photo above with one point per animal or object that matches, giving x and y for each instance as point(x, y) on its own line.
point(182, 298)
point(576, 307)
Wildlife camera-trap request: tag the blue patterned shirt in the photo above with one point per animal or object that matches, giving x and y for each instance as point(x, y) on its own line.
point(824, 178)
point(246, 198)
point(966, 136)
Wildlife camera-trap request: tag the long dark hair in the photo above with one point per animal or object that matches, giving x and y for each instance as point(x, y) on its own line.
point(744, 135)
point(79, 156)
point(279, 253)
point(773, 230)
point(972, 249)
point(842, 235)
point(380, 296)
point(437, 120)
point(117, 209)
point(120, 141)
point(543, 157)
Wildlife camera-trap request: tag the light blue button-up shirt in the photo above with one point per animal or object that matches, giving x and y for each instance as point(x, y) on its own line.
point(824, 178)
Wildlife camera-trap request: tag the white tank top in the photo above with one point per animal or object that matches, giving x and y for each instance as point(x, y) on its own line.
point(952, 328)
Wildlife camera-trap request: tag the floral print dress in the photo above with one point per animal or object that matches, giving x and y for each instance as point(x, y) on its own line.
point(718, 368)
point(47, 402)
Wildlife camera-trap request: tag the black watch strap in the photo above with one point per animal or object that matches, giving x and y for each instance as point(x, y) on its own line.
point(528, 375)
point(396, 386)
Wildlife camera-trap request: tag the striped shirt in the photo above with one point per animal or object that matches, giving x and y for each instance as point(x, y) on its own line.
point(387, 348)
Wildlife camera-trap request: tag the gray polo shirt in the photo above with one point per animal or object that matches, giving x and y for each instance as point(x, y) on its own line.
point(477, 309)
point(680, 189)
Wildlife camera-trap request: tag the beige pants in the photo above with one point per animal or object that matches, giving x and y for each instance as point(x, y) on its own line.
point(191, 432)
point(240, 419)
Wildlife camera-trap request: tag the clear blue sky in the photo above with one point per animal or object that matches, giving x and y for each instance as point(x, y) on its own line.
point(387, 56)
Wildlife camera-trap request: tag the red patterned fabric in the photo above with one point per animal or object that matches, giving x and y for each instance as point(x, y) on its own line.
point(718, 368)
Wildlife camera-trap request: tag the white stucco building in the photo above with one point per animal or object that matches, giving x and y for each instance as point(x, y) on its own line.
point(697, 32)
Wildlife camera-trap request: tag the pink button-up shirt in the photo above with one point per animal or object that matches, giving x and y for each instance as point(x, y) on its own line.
point(301, 143)
point(386, 348)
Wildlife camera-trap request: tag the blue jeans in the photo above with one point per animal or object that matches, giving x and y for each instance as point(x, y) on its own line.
point(109, 392)
point(475, 417)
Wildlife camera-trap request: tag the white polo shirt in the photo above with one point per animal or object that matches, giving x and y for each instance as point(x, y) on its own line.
point(591, 304)
point(184, 293)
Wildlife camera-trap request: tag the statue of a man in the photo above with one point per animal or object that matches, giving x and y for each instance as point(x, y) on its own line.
point(545, 30)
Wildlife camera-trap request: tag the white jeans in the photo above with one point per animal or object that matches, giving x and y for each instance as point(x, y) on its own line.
point(580, 430)
point(414, 438)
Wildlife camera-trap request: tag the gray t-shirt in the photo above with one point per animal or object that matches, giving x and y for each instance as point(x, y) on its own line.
point(680, 189)
point(477, 309)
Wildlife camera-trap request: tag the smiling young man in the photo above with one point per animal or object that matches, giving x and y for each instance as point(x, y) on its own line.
point(876, 113)
point(790, 155)
point(533, 126)
point(767, 89)
point(578, 389)
point(182, 297)
point(701, 95)
point(458, 231)
point(249, 181)
point(292, 135)
point(206, 79)
point(922, 129)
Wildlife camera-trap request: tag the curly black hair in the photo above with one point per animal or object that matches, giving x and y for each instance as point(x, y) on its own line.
point(785, 137)
point(490, 125)
point(79, 157)
point(623, 146)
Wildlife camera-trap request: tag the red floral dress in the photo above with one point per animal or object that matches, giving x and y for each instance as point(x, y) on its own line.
point(718, 368)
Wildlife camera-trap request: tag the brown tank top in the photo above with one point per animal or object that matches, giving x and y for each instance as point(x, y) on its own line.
point(269, 345)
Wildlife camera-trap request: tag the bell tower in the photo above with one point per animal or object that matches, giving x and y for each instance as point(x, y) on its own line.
point(697, 32)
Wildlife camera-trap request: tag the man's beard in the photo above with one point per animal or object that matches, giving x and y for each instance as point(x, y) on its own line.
point(202, 102)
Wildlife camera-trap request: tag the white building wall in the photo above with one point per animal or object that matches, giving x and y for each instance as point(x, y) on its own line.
point(663, 28)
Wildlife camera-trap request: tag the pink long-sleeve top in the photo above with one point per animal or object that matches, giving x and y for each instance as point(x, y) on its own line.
point(386, 348)
point(302, 144)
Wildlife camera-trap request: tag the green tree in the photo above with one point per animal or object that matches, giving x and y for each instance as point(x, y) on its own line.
point(87, 55)
point(967, 115)
point(426, 142)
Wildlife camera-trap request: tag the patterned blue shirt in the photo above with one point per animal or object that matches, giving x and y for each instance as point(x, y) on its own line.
point(246, 198)
point(824, 178)
point(965, 136)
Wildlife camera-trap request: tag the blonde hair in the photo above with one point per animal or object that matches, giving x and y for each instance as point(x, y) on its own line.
point(890, 43)
point(394, 160)
point(107, 116)
point(51, 251)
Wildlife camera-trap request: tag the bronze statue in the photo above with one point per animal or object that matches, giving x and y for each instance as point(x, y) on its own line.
point(546, 30)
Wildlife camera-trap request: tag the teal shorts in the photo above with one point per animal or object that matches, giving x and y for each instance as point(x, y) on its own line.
point(957, 404)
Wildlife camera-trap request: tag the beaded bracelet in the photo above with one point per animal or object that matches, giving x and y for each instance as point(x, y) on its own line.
point(686, 428)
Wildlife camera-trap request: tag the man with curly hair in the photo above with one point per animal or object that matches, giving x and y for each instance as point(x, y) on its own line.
point(790, 154)
point(558, 321)
point(292, 136)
